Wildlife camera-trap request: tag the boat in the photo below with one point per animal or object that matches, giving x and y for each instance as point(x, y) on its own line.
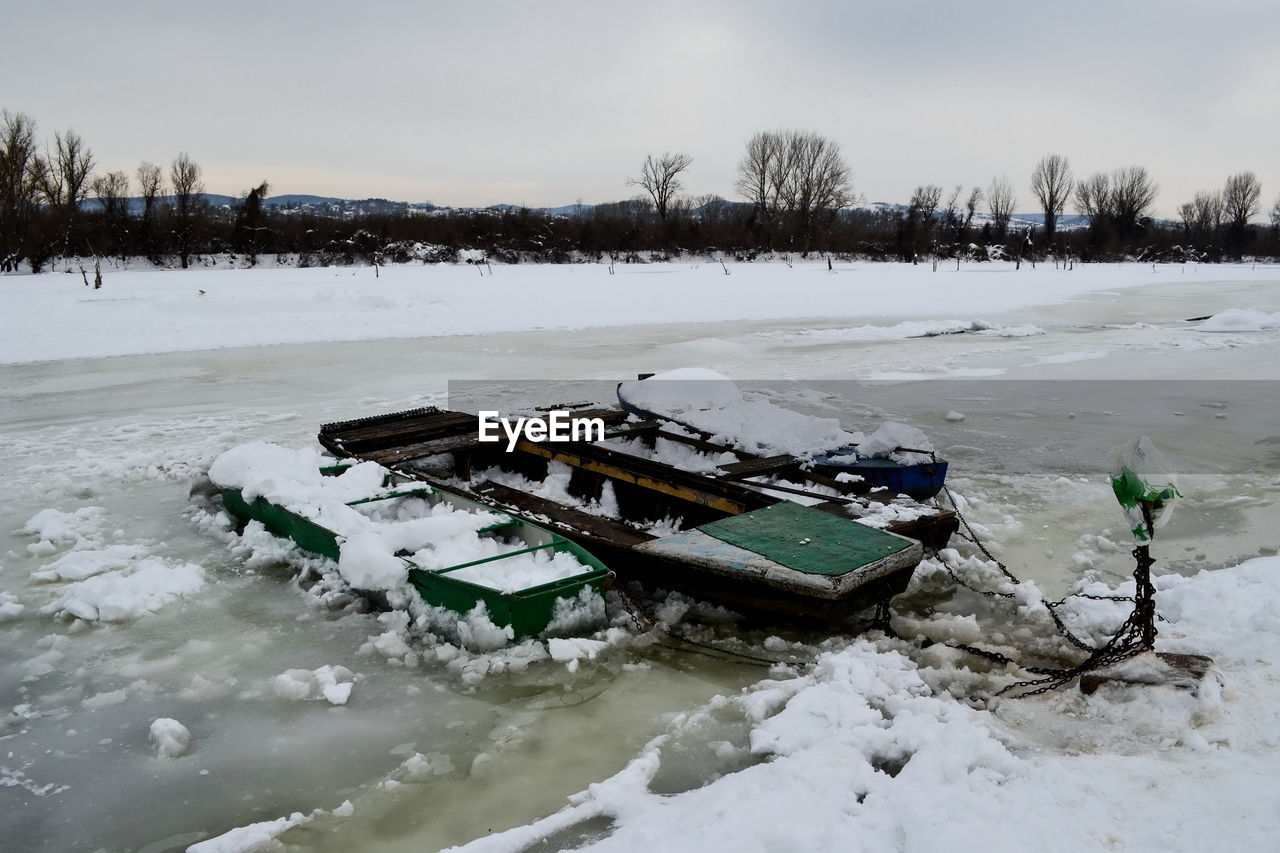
point(515, 568)
point(705, 403)
point(758, 534)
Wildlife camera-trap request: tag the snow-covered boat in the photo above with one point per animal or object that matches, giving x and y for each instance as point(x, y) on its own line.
point(711, 406)
point(733, 535)
point(384, 531)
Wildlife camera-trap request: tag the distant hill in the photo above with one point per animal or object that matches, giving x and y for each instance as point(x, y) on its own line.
point(347, 207)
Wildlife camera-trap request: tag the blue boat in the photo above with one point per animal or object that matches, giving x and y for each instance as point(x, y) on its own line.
point(920, 481)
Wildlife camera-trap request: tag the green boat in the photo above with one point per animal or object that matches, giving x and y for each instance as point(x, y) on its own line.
point(530, 610)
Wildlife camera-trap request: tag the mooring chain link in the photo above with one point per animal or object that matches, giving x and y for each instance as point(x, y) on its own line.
point(1126, 642)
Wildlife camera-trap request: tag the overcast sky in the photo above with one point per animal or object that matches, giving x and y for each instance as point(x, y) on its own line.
point(543, 102)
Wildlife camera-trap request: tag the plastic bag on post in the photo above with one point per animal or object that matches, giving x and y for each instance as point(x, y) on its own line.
point(1142, 477)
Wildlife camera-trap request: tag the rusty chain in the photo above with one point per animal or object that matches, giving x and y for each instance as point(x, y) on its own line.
point(1126, 642)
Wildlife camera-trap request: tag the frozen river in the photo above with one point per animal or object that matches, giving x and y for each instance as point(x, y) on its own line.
point(120, 439)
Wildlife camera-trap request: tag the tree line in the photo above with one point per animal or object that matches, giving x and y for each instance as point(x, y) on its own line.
point(796, 187)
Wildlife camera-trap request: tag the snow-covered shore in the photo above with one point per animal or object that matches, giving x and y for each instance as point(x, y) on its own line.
point(54, 316)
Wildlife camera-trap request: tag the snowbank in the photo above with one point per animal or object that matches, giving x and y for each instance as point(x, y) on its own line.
point(868, 751)
point(183, 310)
point(1241, 320)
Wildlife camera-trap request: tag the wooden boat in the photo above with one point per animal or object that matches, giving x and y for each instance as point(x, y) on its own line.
point(919, 480)
point(733, 536)
point(458, 587)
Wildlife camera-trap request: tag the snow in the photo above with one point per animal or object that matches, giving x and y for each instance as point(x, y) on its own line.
point(1241, 320)
point(170, 737)
point(864, 753)
point(10, 607)
point(329, 682)
point(884, 442)
point(183, 310)
point(707, 401)
point(523, 571)
point(57, 528)
point(918, 329)
point(78, 565)
point(261, 837)
point(372, 535)
point(124, 594)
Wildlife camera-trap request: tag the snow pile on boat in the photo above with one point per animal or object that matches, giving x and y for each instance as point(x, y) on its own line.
point(709, 402)
point(376, 536)
point(1241, 320)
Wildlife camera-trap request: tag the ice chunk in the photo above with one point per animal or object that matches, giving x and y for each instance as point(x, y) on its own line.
point(10, 607)
point(573, 648)
point(78, 565)
point(122, 595)
point(57, 528)
point(331, 683)
point(170, 737)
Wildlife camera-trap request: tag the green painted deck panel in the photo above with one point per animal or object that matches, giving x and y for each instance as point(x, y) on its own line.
point(835, 545)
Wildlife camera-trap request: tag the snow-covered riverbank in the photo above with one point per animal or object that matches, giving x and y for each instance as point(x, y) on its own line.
point(53, 316)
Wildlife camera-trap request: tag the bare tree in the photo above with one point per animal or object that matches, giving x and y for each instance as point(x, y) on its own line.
point(917, 223)
point(797, 174)
point(150, 187)
point(18, 187)
point(660, 178)
point(1275, 217)
point(971, 207)
point(112, 191)
point(1187, 215)
point(1093, 199)
point(1132, 194)
point(1051, 184)
point(1240, 200)
point(758, 175)
point(924, 201)
point(1001, 201)
point(1205, 212)
point(249, 222)
point(188, 201)
point(818, 182)
point(64, 173)
point(951, 211)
